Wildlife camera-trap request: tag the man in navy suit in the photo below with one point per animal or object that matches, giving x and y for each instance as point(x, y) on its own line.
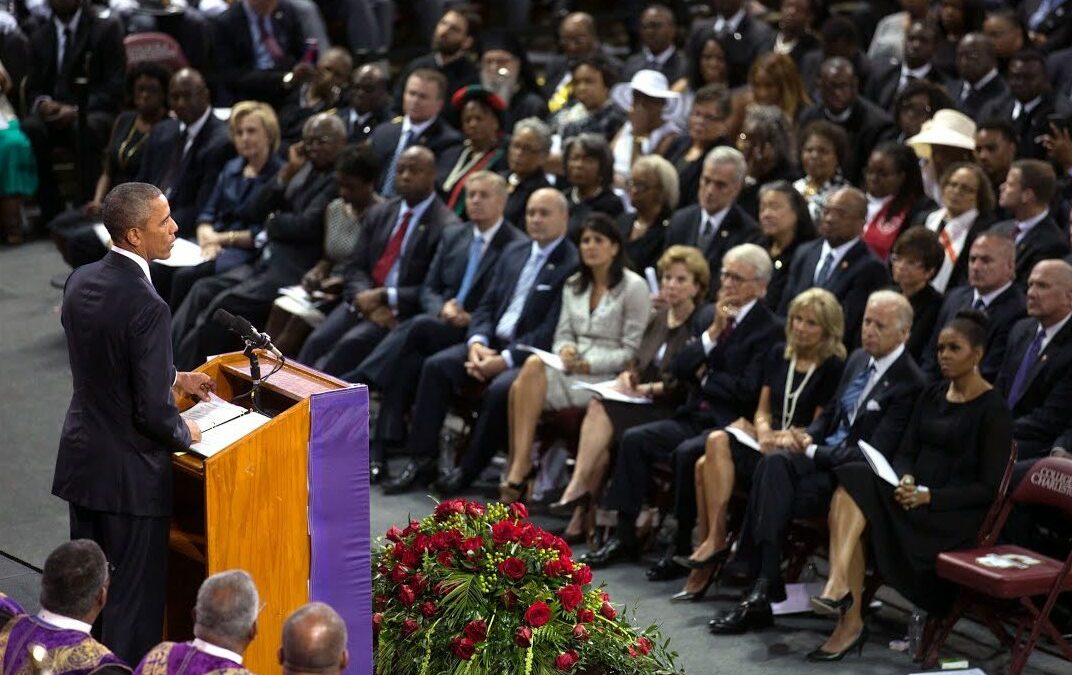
point(1030, 102)
point(1026, 194)
point(723, 369)
point(520, 307)
point(258, 42)
point(888, 80)
point(979, 83)
point(715, 224)
point(114, 461)
point(456, 281)
point(873, 402)
point(839, 262)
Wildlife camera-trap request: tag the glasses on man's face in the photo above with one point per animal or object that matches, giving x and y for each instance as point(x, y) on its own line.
point(733, 277)
point(526, 149)
point(962, 188)
point(316, 140)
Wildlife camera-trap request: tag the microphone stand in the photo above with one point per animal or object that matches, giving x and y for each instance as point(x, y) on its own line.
point(255, 375)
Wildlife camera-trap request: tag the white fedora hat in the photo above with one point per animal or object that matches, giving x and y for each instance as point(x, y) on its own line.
point(948, 127)
point(650, 83)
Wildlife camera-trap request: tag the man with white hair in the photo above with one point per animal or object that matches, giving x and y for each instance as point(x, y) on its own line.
point(873, 403)
point(722, 368)
point(225, 623)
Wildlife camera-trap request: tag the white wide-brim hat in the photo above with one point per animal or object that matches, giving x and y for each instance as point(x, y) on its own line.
point(651, 83)
point(947, 127)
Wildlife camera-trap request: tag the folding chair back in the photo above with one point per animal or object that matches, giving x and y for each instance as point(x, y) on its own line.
point(156, 47)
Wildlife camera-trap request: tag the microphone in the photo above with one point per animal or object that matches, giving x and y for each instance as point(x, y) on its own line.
point(245, 330)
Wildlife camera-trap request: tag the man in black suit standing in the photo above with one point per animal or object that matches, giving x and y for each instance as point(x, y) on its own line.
point(723, 369)
point(979, 83)
point(1036, 376)
point(421, 124)
point(1030, 102)
point(78, 41)
point(743, 37)
point(889, 79)
point(257, 43)
point(1026, 193)
point(990, 289)
point(840, 102)
point(369, 102)
point(839, 261)
point(715, 224)
point(519, 307)
point(657, 52)
point(457, 280)
point(114, 461)
point(873, 403)
point(382, 282)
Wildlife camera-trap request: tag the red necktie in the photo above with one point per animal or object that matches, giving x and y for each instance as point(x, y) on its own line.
point(390, 254)
point(269, 42)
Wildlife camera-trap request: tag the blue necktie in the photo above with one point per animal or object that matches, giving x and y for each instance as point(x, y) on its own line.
point(1030, 359)
point(504, 330)
point(476, 248)
point(825, 270)
point(850, 398)
point(392, 168)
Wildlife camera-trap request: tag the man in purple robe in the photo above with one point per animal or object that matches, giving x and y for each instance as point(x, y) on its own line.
point(314, 641)
point(74, 588)
point(225, 622)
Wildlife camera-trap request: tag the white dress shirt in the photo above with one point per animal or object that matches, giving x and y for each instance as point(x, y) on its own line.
point(142, 263)
point(215, 650)
point(64, 622)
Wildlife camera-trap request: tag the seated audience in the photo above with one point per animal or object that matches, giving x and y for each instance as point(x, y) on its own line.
point(505, 71)
point(1047, 24)
point(318, 90)
point(786, 224)
point(917, 103)
point(956, 19)
point(873, 403)
point(594, 111)
point(839, 37)
point(529, 148)
point(800, 376)
point(1007, 30)
point(823, 149)
point(589, 180)
point(684, 279)
point(258, 45)
point(653, 194)
point(888, 41)
point(723, 373)
point(773, 80)
point(452, 42)
point(658, 31)
point(225, 623)
point(74, 589)
point(951, 458)
point(979, 83)
point(966, 214)
point(916, 258)
point(650, 128)
point(314, 641)
point(766, 141)
point(382, 280)
point(18, 171)
point(706, 127)
point(944, 140)
point(745, 36)
point(577, 39)
point(1026, 193)
point(894, 195)
point(893, 76)
point(995, 151)
point(706, 65)
point(369, 103)
point(605, 308)
point(991, 268)
point(484, 147)
point(1030, 103)
point(839, 261)
point(796, 23)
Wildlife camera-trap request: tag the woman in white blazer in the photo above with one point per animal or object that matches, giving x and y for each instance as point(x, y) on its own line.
point(605, 308)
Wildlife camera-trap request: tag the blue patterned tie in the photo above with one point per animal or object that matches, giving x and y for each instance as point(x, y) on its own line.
point(1026, 364)
point(825, 270)
point(505, 328)
point(392, 168)
point(475, 249)
point(850, 398)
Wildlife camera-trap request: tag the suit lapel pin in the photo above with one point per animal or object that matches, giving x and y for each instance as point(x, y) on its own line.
point(844, 264)
point(723, 234)
point(550, 266)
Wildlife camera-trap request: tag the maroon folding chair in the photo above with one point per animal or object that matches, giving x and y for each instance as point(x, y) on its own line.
point(157, 47)
point(999, 592)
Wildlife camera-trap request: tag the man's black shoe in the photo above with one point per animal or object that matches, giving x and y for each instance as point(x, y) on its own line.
point(377, 472)
point(614, 551)
point(753, 613)
point(666, 569)
point(451, 484)
point(415, 472)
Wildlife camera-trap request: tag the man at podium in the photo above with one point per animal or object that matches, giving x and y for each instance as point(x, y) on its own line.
point(114, 464)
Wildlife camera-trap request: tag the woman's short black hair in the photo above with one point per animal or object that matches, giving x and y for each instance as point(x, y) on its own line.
point(359, 161)
point(593, 145)
point(805, 225)
point(603, 225)
point(972, 324)
point(905, 162)
point(153, 69)
point(607, 70)
point(922, 245)
point(833, 134)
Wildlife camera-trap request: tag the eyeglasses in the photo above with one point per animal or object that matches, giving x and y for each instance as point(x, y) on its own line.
point(526, 149)
point(317, 140)
point(734, 277)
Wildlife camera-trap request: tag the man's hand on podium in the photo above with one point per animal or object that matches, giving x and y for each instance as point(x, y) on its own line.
point(198, 385)
point(195, 431)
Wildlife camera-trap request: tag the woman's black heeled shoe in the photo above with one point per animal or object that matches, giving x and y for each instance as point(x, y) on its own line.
point(562, 509)
point(857, 645)
point(832, 608)
point(689, 596)
point(716, 559)
point(515, 492)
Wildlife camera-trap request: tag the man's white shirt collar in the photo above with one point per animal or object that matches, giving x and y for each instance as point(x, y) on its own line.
point(142, 263)
point(918, 73)
point(1053, 330)
point(414, 128)
point(1025, 226)
point(64, 622)
point(982, 81)
point(214, 650)
point(715, 218)
point(839, 252)
point(883, 364)
point(487, 235)
point(1021, 108)
point(730, 24)
point(661, 58)
point(989, 297)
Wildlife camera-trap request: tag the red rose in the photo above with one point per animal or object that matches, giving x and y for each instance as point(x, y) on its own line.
point(643, 645)
point(383, 569)
point(445, 559)
point(474, 510)
point(632, 652)
point(570, 596)
point(428, 609)
point(406, 595)
point(580, 633)
point(448, 508)
point(421, 543)
point(582, 575)
point(472, 545)
point(585, 616)
point(530, 536)
point(377, 619)
point(414, 525)
point(538, 614)
point(463, 648)
point(513, 568)
point(559, 567)
point(504, 532)
point(608, 611)
point(418, 581)
point(399, 573)
point(409, 627)
point(408, 557)
point(394, 534)
point(518, 511)
point(476, 630)
point(566, 660)
point(523, 636)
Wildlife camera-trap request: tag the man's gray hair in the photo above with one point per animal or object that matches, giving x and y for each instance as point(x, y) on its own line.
point(899, 302)
point(723, 154)
point(755, 257)
point(227, 605)
point(330, 121)
point(73, 577)
point(538, 127)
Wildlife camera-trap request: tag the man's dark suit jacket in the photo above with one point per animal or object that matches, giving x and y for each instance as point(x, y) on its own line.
point(97, 53)
point(237, 77)
point(882, 86)
point(122, 424)
point(1042, 410)
point(459, 73)
point(196, 176)
point(539, 315)
point(674, 67)
point(358, 132)
point(439, 137)
point(854, 279)
point(973, 104)
point(1057, 26)
point(1005, 310)
point(881, 417)
point(415, 259)
point(724, 384)
point(742, 46)
point(445, 275)
point(1034, 126)
point(737, 228)
point(1045, 241)
point(807, 44)
point(867, 126)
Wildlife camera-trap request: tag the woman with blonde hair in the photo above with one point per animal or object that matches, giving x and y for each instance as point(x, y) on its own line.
point(800, 376)
point(774, 80)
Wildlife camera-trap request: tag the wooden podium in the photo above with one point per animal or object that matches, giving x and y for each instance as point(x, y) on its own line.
point(247, 506)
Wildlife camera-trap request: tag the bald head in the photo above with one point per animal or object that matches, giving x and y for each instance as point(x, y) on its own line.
point(1049, 292)
point(314, 641)
point(843, 216)
point(837, 83)
point(188, 95)
point(577, 35)
point(546, 215)
point(415, 174)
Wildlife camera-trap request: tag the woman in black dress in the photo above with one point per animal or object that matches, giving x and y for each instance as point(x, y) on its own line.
point(916, 258)
point(653, 192)
point(529, 149)
point(951, 461)
point(786, 224)
point(800, 377)
point(589, 174)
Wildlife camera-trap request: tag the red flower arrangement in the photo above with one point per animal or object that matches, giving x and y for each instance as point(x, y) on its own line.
point(480, 589)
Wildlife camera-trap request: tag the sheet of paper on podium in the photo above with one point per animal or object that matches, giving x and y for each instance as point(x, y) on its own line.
point(219, 437)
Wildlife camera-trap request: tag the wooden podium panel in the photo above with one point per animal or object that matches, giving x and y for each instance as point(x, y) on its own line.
point(247, 506)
